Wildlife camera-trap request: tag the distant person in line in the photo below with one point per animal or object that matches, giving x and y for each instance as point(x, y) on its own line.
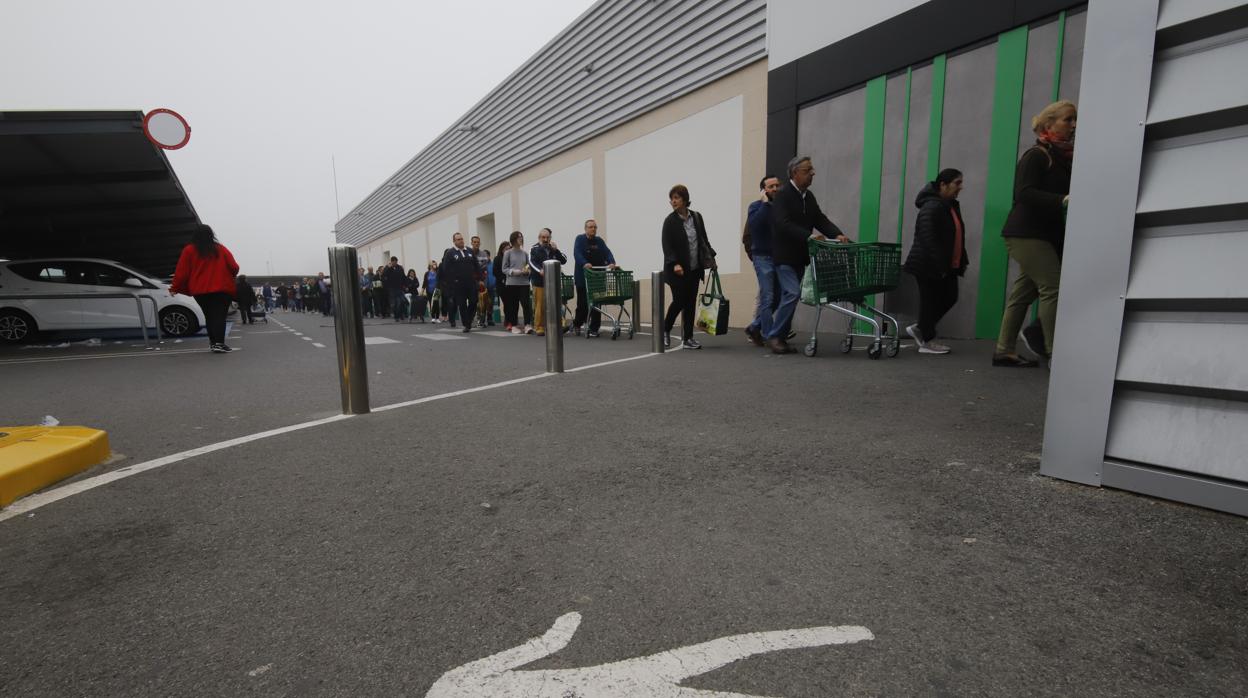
point(322, 290)
point(497, 276)
point(393, 278)
point(589, 250)
point(411, 293)
point(245, 295)
point(457, 277)
point(516, 271)
point(757, 242)
point(206, 271)
point(283, 297)
point(544, 249)
point(266, 292)
point(937, 256)
point(795, 219)
point(484, 262)
point(432, 296)
point(687, 255)
point(366, 291)
point(1035, 232)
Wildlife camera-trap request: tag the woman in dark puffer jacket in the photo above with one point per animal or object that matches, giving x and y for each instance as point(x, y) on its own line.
point(937, 257)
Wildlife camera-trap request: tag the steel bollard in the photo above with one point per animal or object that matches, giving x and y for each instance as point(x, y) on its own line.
point(552, 299)
point(656, 312)
point(349, 329)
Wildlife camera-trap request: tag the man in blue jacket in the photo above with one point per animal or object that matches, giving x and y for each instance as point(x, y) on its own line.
point(589, 250)
point(757, 242)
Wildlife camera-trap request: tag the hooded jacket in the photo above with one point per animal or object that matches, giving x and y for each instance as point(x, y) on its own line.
point(931, 253)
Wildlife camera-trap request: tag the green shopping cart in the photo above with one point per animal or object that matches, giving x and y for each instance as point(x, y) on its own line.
point(843, 274)
point(605, 286)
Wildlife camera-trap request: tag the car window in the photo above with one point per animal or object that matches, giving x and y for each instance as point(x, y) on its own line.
point(48, 272)
point(98, 274)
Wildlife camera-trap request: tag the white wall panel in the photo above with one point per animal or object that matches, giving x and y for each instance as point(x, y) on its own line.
point(415, 249)
point(440, 236)
point(1198, 350)
point(560, 201)
point(798, 27)
point(1198, 435)
point(1172, 12)
point(1190, 266)
point(703, 152)
point(500, 208)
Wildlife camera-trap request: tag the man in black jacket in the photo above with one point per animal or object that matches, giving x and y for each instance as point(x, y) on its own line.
point(795, 215)
point(392, 279)
point(457, 278)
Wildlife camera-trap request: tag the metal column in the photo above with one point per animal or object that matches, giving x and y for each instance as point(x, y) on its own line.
point(349, 329)
point(656, 312)
point(552, 299)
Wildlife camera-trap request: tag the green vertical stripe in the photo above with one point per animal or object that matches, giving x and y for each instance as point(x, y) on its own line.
point(1061, 48)
point(1007, 108)
point(937, 122)
point(905, 154)
point(872, 161)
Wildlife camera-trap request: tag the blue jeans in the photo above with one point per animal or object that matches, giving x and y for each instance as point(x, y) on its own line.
point(790, 279)
point(765, 270)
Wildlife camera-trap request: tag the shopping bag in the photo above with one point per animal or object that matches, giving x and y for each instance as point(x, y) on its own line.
point(712, 315)
point(808, 286)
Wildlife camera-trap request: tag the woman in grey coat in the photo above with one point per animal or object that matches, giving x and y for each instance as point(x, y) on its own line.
point(516, 289)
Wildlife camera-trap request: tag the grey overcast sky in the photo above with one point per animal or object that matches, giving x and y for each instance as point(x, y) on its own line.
point(272, 89)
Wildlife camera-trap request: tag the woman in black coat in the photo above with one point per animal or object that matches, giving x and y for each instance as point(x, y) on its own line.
point(687, 254)
point(937, 256)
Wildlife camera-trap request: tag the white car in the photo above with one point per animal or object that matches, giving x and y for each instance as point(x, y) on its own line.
point(20, 320)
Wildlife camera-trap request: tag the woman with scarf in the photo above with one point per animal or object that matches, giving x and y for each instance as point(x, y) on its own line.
point(1035, 230)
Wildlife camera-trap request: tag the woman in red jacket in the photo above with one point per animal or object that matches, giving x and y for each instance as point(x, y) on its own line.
point(206, 271)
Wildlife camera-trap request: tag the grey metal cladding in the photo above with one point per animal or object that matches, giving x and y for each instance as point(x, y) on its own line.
point(618, 60)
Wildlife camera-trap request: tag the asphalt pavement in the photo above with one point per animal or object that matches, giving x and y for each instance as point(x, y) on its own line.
point(667, 500)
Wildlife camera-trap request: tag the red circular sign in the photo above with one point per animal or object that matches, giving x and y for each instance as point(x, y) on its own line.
point(166, 129)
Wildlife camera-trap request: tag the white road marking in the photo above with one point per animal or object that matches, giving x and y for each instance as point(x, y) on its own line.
point(297, 334)
point(658, 675)
point(136, 315)
point(306, 339)
point(484, 333)
point(36, 501)
point(434, 337)
point(120, 355)
point(367, 340)
point(315, 344)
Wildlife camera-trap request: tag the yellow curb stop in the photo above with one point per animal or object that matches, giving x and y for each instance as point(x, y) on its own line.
point(32, 458)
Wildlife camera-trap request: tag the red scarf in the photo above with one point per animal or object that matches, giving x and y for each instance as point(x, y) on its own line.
point(1064, 146)
point(957, 239)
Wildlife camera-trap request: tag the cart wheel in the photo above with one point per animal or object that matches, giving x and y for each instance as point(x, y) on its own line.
point(893, 348)
point(615, 334)
point(631, 332)
point(811, 349)
point(874, 350)
point(847, 345)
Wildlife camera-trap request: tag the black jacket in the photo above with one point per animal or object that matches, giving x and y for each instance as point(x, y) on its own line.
point(393, 278)
point(539, 254)
point(792, 221)
point(1041, 181)
point(676, 246)
point(458, 272)
point(931, 253)
point(244, 294)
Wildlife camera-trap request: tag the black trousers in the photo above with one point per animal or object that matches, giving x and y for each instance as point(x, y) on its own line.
point(515, 299)
point(462, 302)
point(215, 307)
point(936, 297)
point(684, 297)
point(582, 310)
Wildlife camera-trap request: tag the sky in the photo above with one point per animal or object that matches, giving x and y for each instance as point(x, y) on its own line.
point(276, 92)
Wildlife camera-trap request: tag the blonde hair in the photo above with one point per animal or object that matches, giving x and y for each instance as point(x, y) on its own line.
point(1049, 114)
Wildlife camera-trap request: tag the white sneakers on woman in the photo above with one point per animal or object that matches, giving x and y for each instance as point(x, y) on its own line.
point(925, 347)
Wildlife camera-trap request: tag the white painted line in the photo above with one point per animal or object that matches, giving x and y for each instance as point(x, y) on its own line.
point(297, 334)
point(35, 501)
point(86, 357)
point(261, 332)
point(306, 339)
point(433, 337)
point(370, 340)
point(487, 333)
point(315, 344)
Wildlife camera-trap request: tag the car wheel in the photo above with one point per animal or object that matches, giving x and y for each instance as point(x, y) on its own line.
point(16, 326)
point(178, 322)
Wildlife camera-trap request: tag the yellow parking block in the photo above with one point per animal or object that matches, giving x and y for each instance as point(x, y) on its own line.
point(32, 458)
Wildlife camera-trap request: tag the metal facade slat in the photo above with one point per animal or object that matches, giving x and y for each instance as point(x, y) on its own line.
point(1192, 434)
point(1175, 12)
point(1196, 83)
point(1195, 173)
point(1188, 350)
point(1189, 267)
point(643, 54)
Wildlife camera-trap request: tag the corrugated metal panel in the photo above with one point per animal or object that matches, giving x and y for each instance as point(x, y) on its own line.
point(1179, 432)
point(1187, 350)
point(1205, 261)
point(617, 61)
point(1175, 12)
point(1205, 169)
point(1188, 80)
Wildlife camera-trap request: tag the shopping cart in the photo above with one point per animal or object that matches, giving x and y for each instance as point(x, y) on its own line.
point(567, 291)
point(257, 313)
point(846, 273)
point(603, 287)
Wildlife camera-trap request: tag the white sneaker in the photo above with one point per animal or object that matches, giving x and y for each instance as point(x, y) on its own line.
point(933, 348)
point(913, 331)
point(516, 330)
point(528, 329)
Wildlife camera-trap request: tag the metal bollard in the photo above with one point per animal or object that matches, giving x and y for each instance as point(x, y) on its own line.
point(349, 329)
point(552, 299)
point(636, 311)
point(656, 312)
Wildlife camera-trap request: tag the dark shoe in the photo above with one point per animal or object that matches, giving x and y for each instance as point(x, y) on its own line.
point(467, 329)
point(591, 333)
point(221, 349)
point(1012, 361)
point(667, 340)
point(691, 344)
point(755, 337)
point(779, 346)
point(1033, 337)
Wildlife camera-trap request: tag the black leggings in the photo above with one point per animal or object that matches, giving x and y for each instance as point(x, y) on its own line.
point(936, 297)
point(684, 296)
point(516, 298)
point(215, 307)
